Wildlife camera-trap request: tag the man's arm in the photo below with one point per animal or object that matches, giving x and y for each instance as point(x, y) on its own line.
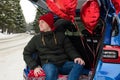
point(29, 49)
point(70, 50)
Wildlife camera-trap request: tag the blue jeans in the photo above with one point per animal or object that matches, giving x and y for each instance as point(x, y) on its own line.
point(72, 69)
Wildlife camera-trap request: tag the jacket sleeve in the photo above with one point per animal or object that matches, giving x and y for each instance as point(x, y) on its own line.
point(29, 49)
point(70, 50)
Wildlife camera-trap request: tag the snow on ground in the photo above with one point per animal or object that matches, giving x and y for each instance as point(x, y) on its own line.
point(2, 35)
point(11, 59)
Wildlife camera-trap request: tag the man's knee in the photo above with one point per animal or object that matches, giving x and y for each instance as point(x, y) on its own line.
point(78, 66)
point(49, 68)
point(50, 71)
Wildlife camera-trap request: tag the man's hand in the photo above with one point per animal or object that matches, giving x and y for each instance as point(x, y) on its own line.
point(37, 71)
point(79, 61)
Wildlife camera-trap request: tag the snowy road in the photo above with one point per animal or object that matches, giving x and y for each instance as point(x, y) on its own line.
point(11, 59)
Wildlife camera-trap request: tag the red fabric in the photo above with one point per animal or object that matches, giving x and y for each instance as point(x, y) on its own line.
point(31, 74)
point(49, 19)
point(63, 8)
point(90, 13)
point(116, 4)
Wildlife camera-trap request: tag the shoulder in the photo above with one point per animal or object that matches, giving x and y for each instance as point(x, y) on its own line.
point(60, 34)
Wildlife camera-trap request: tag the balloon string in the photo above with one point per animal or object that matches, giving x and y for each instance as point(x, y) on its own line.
point(76, 26)
point(99, 43)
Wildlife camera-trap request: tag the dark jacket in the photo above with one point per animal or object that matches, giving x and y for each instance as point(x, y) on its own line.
point(52, 47)
point(62, 25)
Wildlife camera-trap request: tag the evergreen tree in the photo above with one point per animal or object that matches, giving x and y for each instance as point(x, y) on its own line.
point(11, 16)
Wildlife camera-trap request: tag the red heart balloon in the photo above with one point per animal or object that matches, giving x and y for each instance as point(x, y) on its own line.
point(116, 4)
point(63, 8)
point(70, 6)
point(90, 13)
point(60, 5)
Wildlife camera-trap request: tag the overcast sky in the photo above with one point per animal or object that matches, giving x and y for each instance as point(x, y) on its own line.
point(29, 10)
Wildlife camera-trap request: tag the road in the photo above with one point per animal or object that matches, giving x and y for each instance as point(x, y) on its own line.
point(11, 58)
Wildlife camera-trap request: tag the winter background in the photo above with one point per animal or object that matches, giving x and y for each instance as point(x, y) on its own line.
point(12, 46)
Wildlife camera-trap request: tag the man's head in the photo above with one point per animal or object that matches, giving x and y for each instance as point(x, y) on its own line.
point(46, 22)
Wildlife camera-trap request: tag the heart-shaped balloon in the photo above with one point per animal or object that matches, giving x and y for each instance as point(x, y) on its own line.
point(63, 8)
point(116, 4)
point(60, 5)
point(70, 6)
point(90, 13)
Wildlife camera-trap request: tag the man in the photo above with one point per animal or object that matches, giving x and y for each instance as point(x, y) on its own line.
point(55, 51)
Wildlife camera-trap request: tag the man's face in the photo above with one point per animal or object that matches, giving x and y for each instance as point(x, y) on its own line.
point(44, 26)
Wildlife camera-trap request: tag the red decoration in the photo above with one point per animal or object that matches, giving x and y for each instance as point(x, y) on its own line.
point(31, 74)
point(116, 4)
point(90, 13)
point(63, 8)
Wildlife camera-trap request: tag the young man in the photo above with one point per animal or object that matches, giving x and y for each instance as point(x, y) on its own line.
point(55, 51)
